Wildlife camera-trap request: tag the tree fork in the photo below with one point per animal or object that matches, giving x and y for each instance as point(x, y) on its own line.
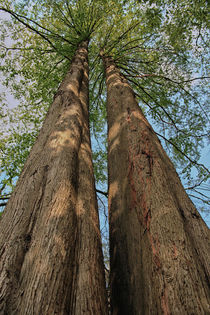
point(50, 246)
point(159, 244)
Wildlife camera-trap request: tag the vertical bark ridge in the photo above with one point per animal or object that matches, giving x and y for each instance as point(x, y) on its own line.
point(42, 235)
point(159, 244)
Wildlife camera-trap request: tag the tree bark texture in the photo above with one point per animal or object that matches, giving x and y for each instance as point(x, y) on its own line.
point(50, 247)
point(159, 244)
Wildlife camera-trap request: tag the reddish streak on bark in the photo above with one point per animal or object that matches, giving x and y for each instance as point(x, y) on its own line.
point(133, 190)
point(164, 302)
point(155, 245)
point(146, 192)
point(175, 251)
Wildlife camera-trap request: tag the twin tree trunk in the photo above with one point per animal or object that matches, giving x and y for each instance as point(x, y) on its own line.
point(50, 248)
point(159, 244)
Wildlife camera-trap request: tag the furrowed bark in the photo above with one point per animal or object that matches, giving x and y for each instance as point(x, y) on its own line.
point(159, 244)
point(50, 247)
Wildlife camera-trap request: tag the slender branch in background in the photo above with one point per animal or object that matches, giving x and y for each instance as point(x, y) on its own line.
point(155, 101)
point(196, 185)
point(132, 41)
point(166, 78)
point(107, 270)
point(105, 216)
point(4, 198)
point(203, 195)
point(119, 38)
point(75, 26)
point(185, 155)
point(28, 26)
point(204, 187)
point(205, 201)
point(44, 36)
point(3, 204)
point(107, 37)
point(65, 20)
point(167, 122)
point(29, 48)
point(19, 17)
point(157, 113)
point(102, 192)
point(172, 81)
point(54, 67)
point(2, 188)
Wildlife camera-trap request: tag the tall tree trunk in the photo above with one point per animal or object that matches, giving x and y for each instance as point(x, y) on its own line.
point(50, 247)
point(159, 244)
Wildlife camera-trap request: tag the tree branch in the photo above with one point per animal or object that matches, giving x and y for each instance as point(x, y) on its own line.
point(185, 155)
point(196, 185)
point(102, 192)
point(4, 198)
point(33, 29)
point(205, 201)
point(3, 204)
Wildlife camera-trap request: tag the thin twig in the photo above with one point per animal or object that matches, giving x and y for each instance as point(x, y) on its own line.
point(102, 192)
point(185, 155)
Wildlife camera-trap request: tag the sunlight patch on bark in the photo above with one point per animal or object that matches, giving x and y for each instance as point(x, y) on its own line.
point(113, 189)
point(86, 152)
point(73, 87)
point(60, 244)
point(113, 133)
point(60, 202)
point(80, 209)
point(62, 139)
point(139, 116)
